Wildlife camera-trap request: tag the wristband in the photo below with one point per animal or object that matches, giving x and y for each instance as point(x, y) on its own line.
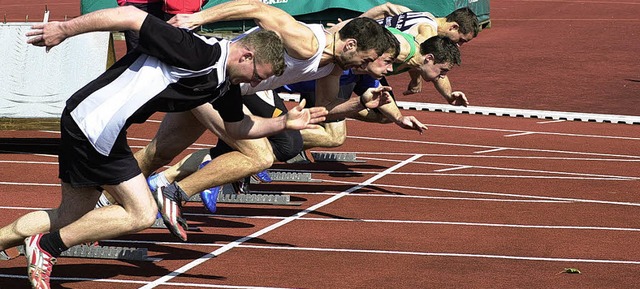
point(334, 120)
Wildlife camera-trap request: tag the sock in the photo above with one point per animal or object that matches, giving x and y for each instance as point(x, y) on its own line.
point(53, 244)
point(161, 180)
point(103, 201)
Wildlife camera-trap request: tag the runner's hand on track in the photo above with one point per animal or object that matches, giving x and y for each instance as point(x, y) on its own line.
point(410, 122)
point(458, 98)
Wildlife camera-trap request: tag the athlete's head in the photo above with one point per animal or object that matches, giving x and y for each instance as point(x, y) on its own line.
point(260, 56)
point(362, 40)
point(462, 25)
point(439, 55)
point(383, 64)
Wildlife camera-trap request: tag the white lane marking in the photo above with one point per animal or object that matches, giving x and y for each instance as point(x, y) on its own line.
point(520, 134)
point(234, 244)
point(494, 147)
point(455, 168)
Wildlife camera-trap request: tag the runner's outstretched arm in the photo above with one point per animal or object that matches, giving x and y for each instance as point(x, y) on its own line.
point(298, 39)
point(113, 19)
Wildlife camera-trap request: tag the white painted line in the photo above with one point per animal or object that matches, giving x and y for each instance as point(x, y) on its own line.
point(520, 226)
point(572, 176)
point(551, 121)
point(499, 111)
point(453, 169)
point(395, 196)
point(617, 177)
point(526, 113)
point(465, 255)
point(128, 281)
point(29, 162)
point(500, 157)
point(536, 132)
point(432, 254)
point(491, 151)
point(234, 244)
point(494, 147)
point(499, 194)
point(28, 184)
point(520, 134)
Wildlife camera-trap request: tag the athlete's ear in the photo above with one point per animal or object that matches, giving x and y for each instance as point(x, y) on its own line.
point(247, 55)
point(351, 44)
point(454, 26)
point(427, 58)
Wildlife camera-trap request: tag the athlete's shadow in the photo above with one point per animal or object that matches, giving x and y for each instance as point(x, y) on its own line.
point(30, 145)
point(88, 271)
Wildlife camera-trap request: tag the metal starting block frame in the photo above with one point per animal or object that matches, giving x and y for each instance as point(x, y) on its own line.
point(228, 195)
point(290, 176)
point(108, 252)
point(101, 252)
point(335, 157)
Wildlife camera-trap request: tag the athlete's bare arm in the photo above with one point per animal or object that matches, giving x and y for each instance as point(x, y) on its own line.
point(443, 86)
point(384, 10)
point(299, 40)
point(113, 19)
point(252, 127)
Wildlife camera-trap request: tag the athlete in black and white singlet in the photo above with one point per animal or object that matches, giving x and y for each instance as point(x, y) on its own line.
point(407, 20)
point(159, 76)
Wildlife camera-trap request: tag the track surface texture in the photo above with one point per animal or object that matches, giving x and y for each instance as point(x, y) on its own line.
point(475, 202)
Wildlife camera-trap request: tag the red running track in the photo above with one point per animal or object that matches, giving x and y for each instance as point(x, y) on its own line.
point(475, 202)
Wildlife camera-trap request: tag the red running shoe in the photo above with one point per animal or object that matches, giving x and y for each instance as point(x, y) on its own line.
point(40, 262)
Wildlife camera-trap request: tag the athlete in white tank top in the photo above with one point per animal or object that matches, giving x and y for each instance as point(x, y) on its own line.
point(297, 69)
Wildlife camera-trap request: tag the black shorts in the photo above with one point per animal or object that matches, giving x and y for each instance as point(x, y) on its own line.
point(285, 145)
point(82, 166)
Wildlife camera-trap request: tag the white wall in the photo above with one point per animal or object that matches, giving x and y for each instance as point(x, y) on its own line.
point(36, 84)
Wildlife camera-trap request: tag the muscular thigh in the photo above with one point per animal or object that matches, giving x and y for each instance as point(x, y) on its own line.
point(177, 131)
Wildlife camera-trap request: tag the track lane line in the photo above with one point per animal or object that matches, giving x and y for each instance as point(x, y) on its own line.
point(270, 228)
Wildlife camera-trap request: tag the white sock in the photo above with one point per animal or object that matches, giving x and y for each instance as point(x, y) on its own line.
point(102, 201)
point(160, 180)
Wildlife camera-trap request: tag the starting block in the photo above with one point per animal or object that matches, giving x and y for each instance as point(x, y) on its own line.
point(108, 252)
point(94, 252)
point(229, 196)
point(290, 176)
point(335, 157)
point(10, 253)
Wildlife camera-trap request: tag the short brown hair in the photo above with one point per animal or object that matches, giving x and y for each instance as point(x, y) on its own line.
point(466, 19)
point(443, 50)
point(267, 47)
